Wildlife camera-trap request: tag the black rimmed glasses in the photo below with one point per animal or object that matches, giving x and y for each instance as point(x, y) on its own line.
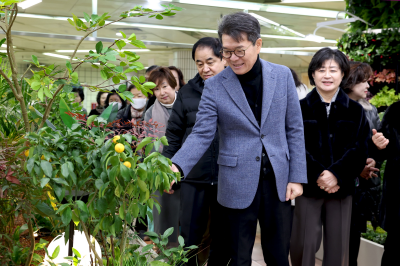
point(239, 52)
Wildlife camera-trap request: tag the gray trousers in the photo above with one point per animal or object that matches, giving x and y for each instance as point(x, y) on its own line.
point(314, 217)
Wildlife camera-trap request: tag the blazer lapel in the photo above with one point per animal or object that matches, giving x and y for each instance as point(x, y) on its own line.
point(269, 83)
point(234, 89)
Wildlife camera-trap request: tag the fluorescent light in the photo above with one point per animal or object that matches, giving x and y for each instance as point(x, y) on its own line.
point(28, 3)
point(262, 19)
point(265, 22)
point(153, 26)
point(295, 48)
point(59, 56)
point(315, 38)
point(87, 51)
point(292, 10)
point(278, 51)
point(308, 1)
point(293, 31)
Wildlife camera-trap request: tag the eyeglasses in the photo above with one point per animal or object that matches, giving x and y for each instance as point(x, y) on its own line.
point(239, 52)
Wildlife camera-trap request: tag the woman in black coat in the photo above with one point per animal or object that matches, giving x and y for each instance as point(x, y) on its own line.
point(336, 134)
point(390, 205)
point(367, 190)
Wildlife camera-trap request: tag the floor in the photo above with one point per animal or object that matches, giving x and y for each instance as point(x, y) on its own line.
point(258, 259)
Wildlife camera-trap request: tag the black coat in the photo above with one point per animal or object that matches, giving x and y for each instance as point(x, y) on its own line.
point(180, 125)
point(390, 205)
point(338, 144)
point(367, 194)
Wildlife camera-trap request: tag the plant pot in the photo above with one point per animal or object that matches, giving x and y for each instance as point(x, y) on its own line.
point(370, 253)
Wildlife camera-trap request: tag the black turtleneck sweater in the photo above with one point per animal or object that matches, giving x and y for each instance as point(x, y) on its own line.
point(252, 85)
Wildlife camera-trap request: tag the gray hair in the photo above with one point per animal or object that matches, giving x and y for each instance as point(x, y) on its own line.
point(238, 24)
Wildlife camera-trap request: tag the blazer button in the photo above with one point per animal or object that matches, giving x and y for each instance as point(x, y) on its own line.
point(257, 158)
point(262, 136)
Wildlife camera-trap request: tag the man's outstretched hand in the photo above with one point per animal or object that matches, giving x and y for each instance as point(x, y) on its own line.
point(176, 170)
point(293, 190)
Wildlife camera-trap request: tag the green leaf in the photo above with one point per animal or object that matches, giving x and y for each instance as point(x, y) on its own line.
point(103, 74)
point(86, 16)
point(55, 253)
point(47, 92)
point(123, 34)
point(82, 206)
point(168, 232)
point(142, 185)
point(143, 143)
point(159, 17)
point(116, 80)
point(99, 47)
point(35, 60)
point(102, 205)
point(35, 85)
point(2, 41)
point(138, 43)
point(132, 37)
point(181, 241)
point(40, 94)
point(67, 119)
point(121, 44)
point(46, 167)
point(134, 209)
point(164, 140)
point(74, 77)
point(69, 66)
point(76, 253)
point(44, 181)
point(66, 216)
point(90, 120)
point(147, 248)
point(142, 79)
point(122, 88)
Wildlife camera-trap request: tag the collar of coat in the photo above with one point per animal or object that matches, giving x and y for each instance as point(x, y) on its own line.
point(313, 98)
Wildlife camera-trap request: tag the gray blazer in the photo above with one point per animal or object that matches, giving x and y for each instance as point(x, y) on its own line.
point(224, 105)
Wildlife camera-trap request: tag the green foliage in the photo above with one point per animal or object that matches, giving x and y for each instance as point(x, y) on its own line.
point(172, 256)
point(373, 48)
point(377, 235)
point(382, 14)
point(385, 97)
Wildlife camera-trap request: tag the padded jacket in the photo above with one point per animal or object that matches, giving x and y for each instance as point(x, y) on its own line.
point(180, 125)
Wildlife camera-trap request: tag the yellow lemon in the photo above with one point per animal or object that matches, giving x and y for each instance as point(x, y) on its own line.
point(26, 153)
point(119, 148)
point(115, 139)
point(42, 157)
point(127, 164)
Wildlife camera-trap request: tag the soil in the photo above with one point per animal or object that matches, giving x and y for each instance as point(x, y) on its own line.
point(26, 242)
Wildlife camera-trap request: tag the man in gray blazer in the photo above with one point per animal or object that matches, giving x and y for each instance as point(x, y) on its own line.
point(262, 162)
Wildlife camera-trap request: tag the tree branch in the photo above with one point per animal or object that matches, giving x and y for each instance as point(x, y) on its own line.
point(32, 237)
point(22, 78)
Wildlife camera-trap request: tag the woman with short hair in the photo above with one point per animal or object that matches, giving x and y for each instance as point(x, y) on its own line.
point(160, 112)
point(336, 133)
point(101, 102)
point(133, 110)
point(113, 98)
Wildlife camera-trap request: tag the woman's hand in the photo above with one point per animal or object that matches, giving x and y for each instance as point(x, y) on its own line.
point(327, 180)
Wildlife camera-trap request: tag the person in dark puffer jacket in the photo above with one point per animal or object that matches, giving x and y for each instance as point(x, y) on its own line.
point(199, 188)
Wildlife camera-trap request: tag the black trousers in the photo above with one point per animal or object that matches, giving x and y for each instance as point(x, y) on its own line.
point(275, 221)
point(198, 203)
